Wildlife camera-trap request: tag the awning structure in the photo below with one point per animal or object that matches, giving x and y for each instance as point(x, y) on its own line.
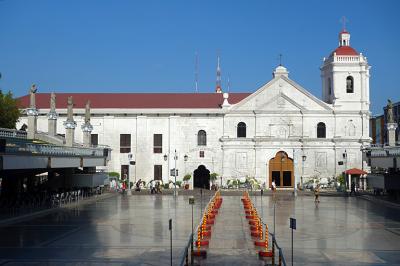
point(355, 171)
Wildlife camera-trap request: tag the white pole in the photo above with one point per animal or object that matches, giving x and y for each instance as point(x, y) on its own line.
point(294, 176)
point(175, 157)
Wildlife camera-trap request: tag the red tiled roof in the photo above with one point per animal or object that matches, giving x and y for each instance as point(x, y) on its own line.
point(355, 171)
point(135, 100)
point(345, 50)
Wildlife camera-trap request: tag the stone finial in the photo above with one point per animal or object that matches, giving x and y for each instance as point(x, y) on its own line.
point(70, 123)
point(389, 116)
point(32, 92)
point(53, 102)
point(225, 103)
point(70, 111)
point(87, 112)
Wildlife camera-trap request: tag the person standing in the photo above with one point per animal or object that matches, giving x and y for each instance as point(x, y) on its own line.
point(273, 187)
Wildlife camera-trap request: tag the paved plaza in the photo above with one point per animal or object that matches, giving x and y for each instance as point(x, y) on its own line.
point(133, 230)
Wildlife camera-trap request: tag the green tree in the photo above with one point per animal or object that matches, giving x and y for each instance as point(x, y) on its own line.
point(9, 112)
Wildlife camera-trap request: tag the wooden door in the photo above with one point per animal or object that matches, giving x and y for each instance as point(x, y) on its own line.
point(281, 169)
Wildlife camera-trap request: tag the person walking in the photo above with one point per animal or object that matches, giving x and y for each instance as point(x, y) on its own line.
point(353, 188)
point(316, 194)
point(152, 190)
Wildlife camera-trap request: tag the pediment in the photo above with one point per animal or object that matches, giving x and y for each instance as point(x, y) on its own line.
point(279, 95)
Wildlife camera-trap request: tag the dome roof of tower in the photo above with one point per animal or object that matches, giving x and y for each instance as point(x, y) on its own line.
point(345, 50)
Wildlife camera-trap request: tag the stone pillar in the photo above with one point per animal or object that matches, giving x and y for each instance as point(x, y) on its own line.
point(87, 128)
point(52, 126)
point(52, 116)
point(32, 122)
point(70, 125)
point(391, 128)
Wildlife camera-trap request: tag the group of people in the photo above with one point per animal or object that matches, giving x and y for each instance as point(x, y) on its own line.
point(155, 188)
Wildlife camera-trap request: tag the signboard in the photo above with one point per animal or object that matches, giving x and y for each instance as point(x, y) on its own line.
point(173, 172)
point(191, 200)
point(293, 223)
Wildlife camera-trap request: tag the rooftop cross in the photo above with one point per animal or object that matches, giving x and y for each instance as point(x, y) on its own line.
point(280, 59)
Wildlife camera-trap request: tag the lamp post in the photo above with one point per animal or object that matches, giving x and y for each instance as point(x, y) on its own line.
point(185, 158)
point(345, 168)
point(294, 177)
point(303, 159)
point(175, 159)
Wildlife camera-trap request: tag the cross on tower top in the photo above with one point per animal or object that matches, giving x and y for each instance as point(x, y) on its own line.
point(280, 59)
point(344, 20)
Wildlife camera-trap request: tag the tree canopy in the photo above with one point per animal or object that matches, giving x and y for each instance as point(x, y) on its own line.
point(9, 112)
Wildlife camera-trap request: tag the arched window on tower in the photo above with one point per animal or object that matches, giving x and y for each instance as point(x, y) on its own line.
point(201, 138)
point(349, 84)
point(241, 130)
point(329, 86)
point(321, 130)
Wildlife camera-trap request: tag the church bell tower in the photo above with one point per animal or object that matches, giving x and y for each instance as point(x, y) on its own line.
point(345, 77)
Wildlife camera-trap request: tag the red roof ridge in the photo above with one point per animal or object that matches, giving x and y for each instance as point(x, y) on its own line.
point(135, 100)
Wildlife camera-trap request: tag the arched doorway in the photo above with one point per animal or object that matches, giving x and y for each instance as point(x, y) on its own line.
point(201, 177)
point(281, 169)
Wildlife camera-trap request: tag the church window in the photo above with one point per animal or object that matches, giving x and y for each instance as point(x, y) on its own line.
point(125, 143)
point(94, 140)
point(321, 130)
point(201, 138)
point(201, 154)
point(349, 84)
point(157, 143)
point(241, 130)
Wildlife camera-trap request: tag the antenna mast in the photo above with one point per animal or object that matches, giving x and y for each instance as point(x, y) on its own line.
point(196, 72)
point(218, 88)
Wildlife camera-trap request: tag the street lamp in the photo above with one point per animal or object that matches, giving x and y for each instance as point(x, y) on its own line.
point(345, 168)
point(175, 159)
point(185, 158)
point(303, 158)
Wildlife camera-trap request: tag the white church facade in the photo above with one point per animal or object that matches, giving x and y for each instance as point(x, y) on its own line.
point(280, 131)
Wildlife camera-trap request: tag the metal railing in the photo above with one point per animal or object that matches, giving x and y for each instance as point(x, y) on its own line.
point(12, 133)
point(189, 246)
point(15, 147)
point(281, 257)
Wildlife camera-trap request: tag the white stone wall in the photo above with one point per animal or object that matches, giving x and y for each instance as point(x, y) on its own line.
point(279, 116)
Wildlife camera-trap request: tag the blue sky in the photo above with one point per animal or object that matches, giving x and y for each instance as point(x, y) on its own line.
point(150, 46)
